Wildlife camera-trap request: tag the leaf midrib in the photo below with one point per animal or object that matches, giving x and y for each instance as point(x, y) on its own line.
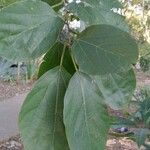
point(84, 105)
point(56, 109)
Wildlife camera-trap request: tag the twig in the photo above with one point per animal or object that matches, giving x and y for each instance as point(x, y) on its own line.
point(62, 57)
point(59, 4)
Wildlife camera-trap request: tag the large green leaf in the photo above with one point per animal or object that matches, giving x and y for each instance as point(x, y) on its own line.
point(52, 59)
point(117, 89)
point(102, 49)
point(41, 117)
point(97, 14)
point(28, 29)
point(85, 115)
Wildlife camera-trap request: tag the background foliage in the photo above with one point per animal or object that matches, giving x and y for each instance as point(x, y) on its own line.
point(83, 73)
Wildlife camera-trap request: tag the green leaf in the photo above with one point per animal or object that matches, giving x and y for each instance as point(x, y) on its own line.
point(41, 117)
point(85, 115)
point(97, 14)
point(102, 49)
point(144, 110)
point(28, 29)
point(117, 89)
point(53, 57)
point(140, 136)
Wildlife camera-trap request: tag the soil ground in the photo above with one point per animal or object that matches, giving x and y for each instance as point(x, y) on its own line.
point(11, 89)
point(14, 142)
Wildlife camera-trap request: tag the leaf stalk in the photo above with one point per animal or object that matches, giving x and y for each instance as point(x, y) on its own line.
point(62, 57)
point(57, 5)
point(74, 63)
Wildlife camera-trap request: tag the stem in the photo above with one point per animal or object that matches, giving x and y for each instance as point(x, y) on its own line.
point(74, 63)
point(62, 57)
point(76, 68)
point(74, 32)
point(59, 4)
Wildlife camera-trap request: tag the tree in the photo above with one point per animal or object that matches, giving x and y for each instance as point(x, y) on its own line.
point(137, 13)
point(82, 74)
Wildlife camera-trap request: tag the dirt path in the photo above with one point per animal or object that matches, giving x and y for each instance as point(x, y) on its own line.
point(9, 110)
